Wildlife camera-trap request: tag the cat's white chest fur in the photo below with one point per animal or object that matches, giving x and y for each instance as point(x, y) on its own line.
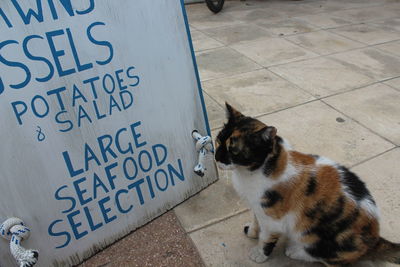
point(251, 186)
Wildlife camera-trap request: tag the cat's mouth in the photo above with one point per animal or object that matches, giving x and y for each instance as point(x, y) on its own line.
point(223, 166)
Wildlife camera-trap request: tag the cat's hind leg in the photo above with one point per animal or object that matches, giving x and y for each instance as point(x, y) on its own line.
point(252, 230)
point(261, 252)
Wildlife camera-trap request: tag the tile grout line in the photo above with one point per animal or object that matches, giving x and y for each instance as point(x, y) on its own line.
point(317, 28)
point(339, 52)
point(274, 65)
point(212, 222)
point(326, 96)
point(391, 86)
point(367, 45)
point(232, 74)
point(214, 99)
point(208, 49)
point(275, 111)
point(373, 157)
point(323, 55)
point(387, 52)
point(227, 26)
point(189, 237)
point(361, 124)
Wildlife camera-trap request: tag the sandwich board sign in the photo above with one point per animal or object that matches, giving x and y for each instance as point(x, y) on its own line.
point(98, 100)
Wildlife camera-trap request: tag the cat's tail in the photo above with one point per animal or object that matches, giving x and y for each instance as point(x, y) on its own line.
point(384, 250)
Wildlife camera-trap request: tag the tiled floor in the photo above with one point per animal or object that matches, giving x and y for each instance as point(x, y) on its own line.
point(326, 73)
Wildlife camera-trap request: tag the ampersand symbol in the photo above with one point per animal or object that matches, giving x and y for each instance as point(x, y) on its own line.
point(40, 135)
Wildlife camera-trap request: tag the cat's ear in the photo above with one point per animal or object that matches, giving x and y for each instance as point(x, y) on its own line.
point(232, 113)
point(269, 133)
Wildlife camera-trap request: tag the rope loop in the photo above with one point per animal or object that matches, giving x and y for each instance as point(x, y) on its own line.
point(203, 146)
point(14, 230)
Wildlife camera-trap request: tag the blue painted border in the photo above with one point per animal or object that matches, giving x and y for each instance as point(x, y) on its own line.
point(196, 70)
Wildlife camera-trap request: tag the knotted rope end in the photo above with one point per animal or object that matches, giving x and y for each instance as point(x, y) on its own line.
point(203, 146)
point(14, 230)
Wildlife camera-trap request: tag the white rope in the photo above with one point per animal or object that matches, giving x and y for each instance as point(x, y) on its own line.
point(203, 146)
point(13, 229)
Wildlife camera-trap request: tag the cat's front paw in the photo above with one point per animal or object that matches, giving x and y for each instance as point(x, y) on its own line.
point(257, 255)
point(290, 252)
point(249, 231)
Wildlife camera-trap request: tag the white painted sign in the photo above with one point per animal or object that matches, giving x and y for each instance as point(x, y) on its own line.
point(98, 99)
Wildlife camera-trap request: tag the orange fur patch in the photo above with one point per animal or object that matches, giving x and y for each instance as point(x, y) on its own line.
point(301, 159)
point(281, 165)
point(326, 188)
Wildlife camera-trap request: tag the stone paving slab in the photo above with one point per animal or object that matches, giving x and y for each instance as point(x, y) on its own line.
point(287, 27)
point(325, 20)
point(391, 47)
point(323, 43)
point(205, 20)
point(323, 76)
point(202, 42)
point(211, 205)
point(273, 51)
point(318, 129)
point(238, 33)
point(365, 14)
point(220, 62)
point(254, 15)
point(393, 23)
point(371, 62)
point(256, 93)
point(215, 112)
point(395, 83)
point(368, 33)
point(353, 4)
point(377, 107)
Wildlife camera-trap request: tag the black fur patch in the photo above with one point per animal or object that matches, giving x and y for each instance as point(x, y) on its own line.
point(329, 224)
point(271, 164)
point(270, 198)
point(312, 185)
point(355, 186)
point(222, 155)
point(366, 236)
point(269, 247)
point(316, 210)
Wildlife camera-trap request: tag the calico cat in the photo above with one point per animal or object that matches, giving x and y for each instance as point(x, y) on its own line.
point(325, 210)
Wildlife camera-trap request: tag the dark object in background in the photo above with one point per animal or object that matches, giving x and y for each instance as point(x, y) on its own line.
point(215, 5)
